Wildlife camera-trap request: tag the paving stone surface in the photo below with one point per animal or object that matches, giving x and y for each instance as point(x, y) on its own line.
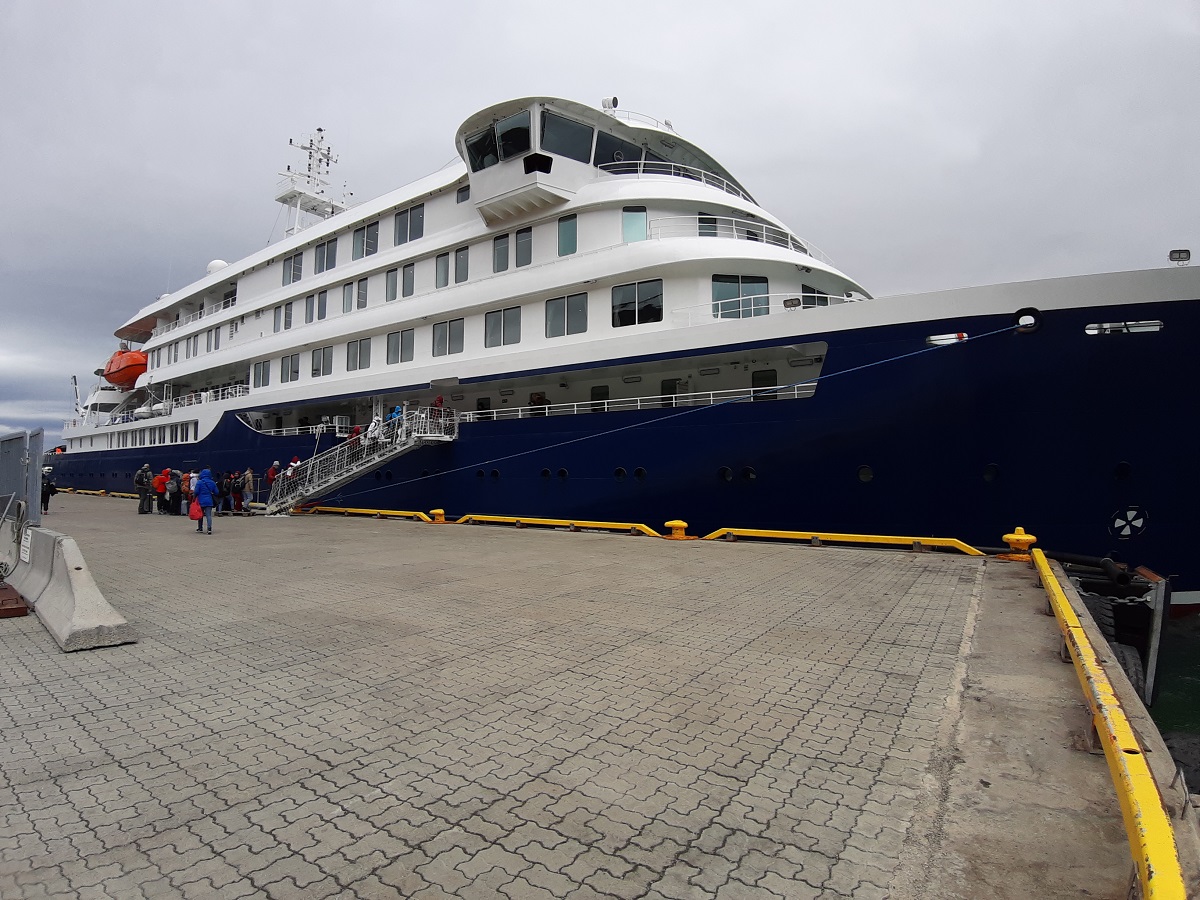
point(329, 707)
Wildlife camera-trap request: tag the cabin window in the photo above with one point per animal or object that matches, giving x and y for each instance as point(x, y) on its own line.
point(287, 316)
point(322, 361)
point(481, 149)
point(637, 304)
point(442, 270)
point(464, 194)
point(740, 296)
point(322, 304)
point(812, 297)
point(410, 224)
point(566, 315)
point(500, 253)
point(707, 225)
point(408, 278)
point(366, 241)
point(599, 396)
point(400, 346)
point(292, 266)
point(326, 255)
point(633, 224)
point(512, 134)
point(310, 308)
point(390, 279)
point(448, 337)
point(502, 327)
point(461, 258)
point(262, 373)
point(289, 368)
point(358, 354)
point(278, 319)
point(524, 246)
point(362, 293)
point(566, 137)
point(568, 235)
point(616, 154)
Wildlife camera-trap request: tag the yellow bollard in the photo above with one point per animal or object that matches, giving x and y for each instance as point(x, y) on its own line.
point(439, 516)
point(678, 531)
point(1019, 543)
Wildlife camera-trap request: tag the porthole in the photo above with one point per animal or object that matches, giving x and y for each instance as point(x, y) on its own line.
point(387, 476)
point(424, 473)
point(748, 474)
point(725, 473)
point(495, 473)
point(639, 473)
point(619, 473)
point(865, 474)
point(562, 473)
point(545, 473)
point(1123, 471)
point(479, 473)
point(991, 472)
point(378, 475)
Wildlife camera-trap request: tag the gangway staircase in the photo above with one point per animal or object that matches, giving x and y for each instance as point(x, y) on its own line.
point(326, 472)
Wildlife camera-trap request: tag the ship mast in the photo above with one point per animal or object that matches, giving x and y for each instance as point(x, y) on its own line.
point(304, 191)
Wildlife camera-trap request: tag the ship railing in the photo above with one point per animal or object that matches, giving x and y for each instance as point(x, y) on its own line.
point(736, 228)
point(359, 454)
point(192, 317)
point(754, 305)
point(212, 396)
point(653, 169)
point(662, 401)
point(637, 118)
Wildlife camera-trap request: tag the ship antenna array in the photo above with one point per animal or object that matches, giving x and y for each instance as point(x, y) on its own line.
point(303, 189)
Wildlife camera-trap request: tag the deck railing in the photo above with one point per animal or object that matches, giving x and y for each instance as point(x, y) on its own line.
point(736, 228)
point(655, 169)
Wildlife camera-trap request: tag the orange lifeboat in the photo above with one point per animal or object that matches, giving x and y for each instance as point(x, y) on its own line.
point(125, 367)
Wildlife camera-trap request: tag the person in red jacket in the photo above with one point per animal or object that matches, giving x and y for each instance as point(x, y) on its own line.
point(160, 490)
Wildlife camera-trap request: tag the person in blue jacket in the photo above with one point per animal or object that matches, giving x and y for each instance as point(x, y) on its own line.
point(206, 495)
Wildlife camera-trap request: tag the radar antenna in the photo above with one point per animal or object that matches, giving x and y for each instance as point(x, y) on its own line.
point(303, 191)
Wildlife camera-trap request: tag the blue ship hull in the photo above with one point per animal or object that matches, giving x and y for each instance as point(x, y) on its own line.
point(1055, 430)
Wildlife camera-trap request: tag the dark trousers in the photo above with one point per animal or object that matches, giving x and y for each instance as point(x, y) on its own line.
point(144, 500)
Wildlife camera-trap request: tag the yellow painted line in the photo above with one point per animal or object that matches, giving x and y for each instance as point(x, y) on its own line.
point(833, 537)
point(384, 513)
point(1147, 824)
point(558, 523)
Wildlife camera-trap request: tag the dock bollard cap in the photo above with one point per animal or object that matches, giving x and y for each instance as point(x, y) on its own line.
point(1019, 541)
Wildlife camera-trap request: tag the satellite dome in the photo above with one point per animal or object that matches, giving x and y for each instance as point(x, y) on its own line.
point(216, 265)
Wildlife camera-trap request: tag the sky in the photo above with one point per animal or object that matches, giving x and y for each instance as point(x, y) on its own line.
point(922, 145)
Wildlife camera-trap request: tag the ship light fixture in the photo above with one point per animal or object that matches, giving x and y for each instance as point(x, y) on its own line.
point(632, 379)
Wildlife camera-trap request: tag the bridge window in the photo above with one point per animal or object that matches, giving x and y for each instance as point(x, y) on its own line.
point(482, 152)
point(400, 346)
point(566, 315)
point(366, 241)
point(326, 255)
point(358, 354)
point(619, 155)
point(292, 266)
point(524, 246)
point(512, 134)
point(500, 253)
point(566, 137)
point(740, 296)
point(637, 304)
point(502, 327)
point(448, 337)
point(463, 194)
point(322, 361)
point(289, 368)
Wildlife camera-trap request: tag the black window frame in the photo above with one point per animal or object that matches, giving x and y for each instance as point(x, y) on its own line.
point(568, 235)
point(639, 300)
point(559, 315)
point(500, 253)
point(322, 361)
point(453, 331)
point(462, 264)
point(558, 137)
point(293, 268)
point(408, 279)
point(390, 283)
point(358, 354)
point(403, 342)
point(325, 255)
point(441, 270)
point(366, 241)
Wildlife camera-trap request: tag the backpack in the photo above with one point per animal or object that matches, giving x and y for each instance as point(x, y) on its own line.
point(238, 484)
point(141, 479)
point(172, 486)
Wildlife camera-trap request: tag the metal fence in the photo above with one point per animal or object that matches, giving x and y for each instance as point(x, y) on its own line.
point(21, 476)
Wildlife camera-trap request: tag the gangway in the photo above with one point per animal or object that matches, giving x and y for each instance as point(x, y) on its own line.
point(340, 465)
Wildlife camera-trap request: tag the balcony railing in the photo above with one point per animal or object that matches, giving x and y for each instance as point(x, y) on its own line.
point(753, 306)
point(736, 228)
point(655, 169)
point(193, 317)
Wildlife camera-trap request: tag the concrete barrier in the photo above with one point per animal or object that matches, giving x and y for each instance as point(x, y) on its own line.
point(49, 571)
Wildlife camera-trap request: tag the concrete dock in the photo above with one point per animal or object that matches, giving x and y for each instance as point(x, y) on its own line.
point(360, 708)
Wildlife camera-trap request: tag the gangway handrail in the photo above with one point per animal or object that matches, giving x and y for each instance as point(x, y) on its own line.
point(1147, 824)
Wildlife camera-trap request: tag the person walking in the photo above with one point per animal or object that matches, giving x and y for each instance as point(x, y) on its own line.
point(49, 489)
point(160, 491)
point(142, 484)
point(373, 432)
point(247, 491)
point(207, 494)
point(236, 485)
point(272, 474)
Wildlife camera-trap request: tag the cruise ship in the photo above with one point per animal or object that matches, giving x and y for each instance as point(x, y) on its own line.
point(619, 331)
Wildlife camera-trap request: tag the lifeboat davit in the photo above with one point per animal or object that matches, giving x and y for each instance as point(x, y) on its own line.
point(125, 367)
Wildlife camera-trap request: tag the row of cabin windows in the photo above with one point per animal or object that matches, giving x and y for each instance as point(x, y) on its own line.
point(632, 304)
point(511, 137)
point(409, 225)
point(158, 434)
